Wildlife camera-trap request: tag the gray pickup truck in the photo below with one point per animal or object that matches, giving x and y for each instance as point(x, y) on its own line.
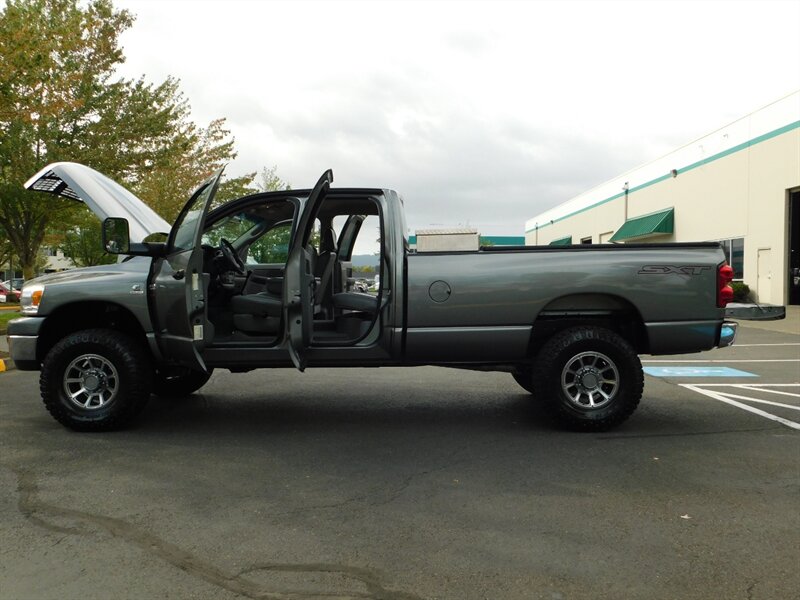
point(266, 281)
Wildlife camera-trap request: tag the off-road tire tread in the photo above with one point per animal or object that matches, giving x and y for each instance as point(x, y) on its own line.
point(133, 361)
point(547, 374)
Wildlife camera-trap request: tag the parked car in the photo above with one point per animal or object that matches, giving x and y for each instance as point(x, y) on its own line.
point(16, 283)
point(568, 323)
point(360, 285)
point(9, 292)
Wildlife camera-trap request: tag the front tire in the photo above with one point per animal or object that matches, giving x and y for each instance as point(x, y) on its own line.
point(96, 380)
point(590, 378)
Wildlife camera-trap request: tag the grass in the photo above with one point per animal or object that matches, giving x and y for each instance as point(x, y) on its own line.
point(5, 317)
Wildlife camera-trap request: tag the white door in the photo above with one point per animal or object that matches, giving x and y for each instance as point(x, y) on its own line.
point(764, 275)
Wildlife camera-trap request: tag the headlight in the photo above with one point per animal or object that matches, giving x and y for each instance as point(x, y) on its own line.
point(31, 298)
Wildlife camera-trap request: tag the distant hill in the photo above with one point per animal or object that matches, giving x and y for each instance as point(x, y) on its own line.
point(365, 260)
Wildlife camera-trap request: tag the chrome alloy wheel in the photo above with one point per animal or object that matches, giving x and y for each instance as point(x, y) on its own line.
point(590, 380)
point(91, 382)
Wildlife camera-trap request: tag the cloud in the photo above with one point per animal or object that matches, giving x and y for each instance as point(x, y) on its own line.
point(488, 114)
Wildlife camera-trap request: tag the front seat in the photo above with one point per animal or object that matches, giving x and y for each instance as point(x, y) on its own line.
point(260, 312)
point(257, 313)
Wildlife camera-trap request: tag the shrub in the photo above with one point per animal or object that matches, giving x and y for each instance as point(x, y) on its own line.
point(741, 291)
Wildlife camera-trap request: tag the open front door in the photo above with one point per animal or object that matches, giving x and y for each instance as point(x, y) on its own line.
point(180, 287)
point(298, 280)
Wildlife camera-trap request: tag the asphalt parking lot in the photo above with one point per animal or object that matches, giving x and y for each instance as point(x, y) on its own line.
point(414, 483)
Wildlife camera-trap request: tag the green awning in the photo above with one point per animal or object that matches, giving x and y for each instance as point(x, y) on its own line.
point(564, 241)
point(656, 223)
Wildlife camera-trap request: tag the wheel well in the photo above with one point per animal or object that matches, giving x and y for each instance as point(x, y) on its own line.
point(87, 315)
point(600, 310)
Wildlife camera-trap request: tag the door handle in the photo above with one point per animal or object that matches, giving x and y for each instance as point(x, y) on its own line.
point(179, 274)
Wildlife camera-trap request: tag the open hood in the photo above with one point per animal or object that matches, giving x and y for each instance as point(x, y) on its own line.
point(104, 197)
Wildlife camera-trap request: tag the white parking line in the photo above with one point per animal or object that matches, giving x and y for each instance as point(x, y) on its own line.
point(728, 399)
point(763, 389)
point(760, 401)
point(752, 385)
point(737, 360)
point(754, 345)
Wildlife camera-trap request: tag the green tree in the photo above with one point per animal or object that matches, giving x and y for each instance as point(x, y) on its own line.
point(237, 187)
point(59, 101)
point(83, 243)
point(268, 180)
point(6, 252)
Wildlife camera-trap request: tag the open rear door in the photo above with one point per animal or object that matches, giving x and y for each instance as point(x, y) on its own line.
point(298, 280)
point(180, 285)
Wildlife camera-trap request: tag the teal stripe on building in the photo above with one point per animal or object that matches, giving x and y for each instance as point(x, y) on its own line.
point(738, 148)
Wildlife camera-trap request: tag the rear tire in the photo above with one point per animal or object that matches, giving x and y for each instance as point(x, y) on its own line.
point(590, 378)
point(96, 380)
point(177, 384)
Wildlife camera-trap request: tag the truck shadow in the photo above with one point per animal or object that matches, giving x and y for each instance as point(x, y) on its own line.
point(354, 400)
point(306, 413)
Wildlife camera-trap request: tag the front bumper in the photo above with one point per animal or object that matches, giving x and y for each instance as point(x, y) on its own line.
point(23, 351)
point(23, 337)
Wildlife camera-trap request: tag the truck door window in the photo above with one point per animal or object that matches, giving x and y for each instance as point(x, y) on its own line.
point(272, 247)
point(184, 228)
point(231, 228)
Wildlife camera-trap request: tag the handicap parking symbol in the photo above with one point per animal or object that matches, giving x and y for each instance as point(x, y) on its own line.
point(696, 371)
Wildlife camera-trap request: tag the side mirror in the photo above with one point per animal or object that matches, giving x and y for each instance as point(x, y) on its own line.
point(116, 237)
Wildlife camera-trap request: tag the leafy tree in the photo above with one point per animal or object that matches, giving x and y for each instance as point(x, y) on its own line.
point(83, 243)
point(367, 271)
point(268, 180)
point(6, 252)
point(273, 247)
point(59, 101)
point(230, 189)
point(184, 161)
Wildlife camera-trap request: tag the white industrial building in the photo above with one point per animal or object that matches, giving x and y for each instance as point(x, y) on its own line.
point(739, 185)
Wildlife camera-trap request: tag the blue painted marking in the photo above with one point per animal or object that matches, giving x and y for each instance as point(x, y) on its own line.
point(696, 372)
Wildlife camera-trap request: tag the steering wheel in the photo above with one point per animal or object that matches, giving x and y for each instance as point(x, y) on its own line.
point(231, 257)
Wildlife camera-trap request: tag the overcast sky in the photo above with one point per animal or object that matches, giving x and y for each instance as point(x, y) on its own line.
point(480, 114)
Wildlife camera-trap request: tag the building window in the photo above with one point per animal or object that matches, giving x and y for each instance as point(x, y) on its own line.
point(586, 240)
point(734, 254)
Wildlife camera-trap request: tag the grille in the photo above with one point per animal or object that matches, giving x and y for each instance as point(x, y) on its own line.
point(52, 184)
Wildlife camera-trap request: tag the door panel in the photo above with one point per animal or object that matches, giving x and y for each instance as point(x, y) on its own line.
point(180, 285)
point(299, 282)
